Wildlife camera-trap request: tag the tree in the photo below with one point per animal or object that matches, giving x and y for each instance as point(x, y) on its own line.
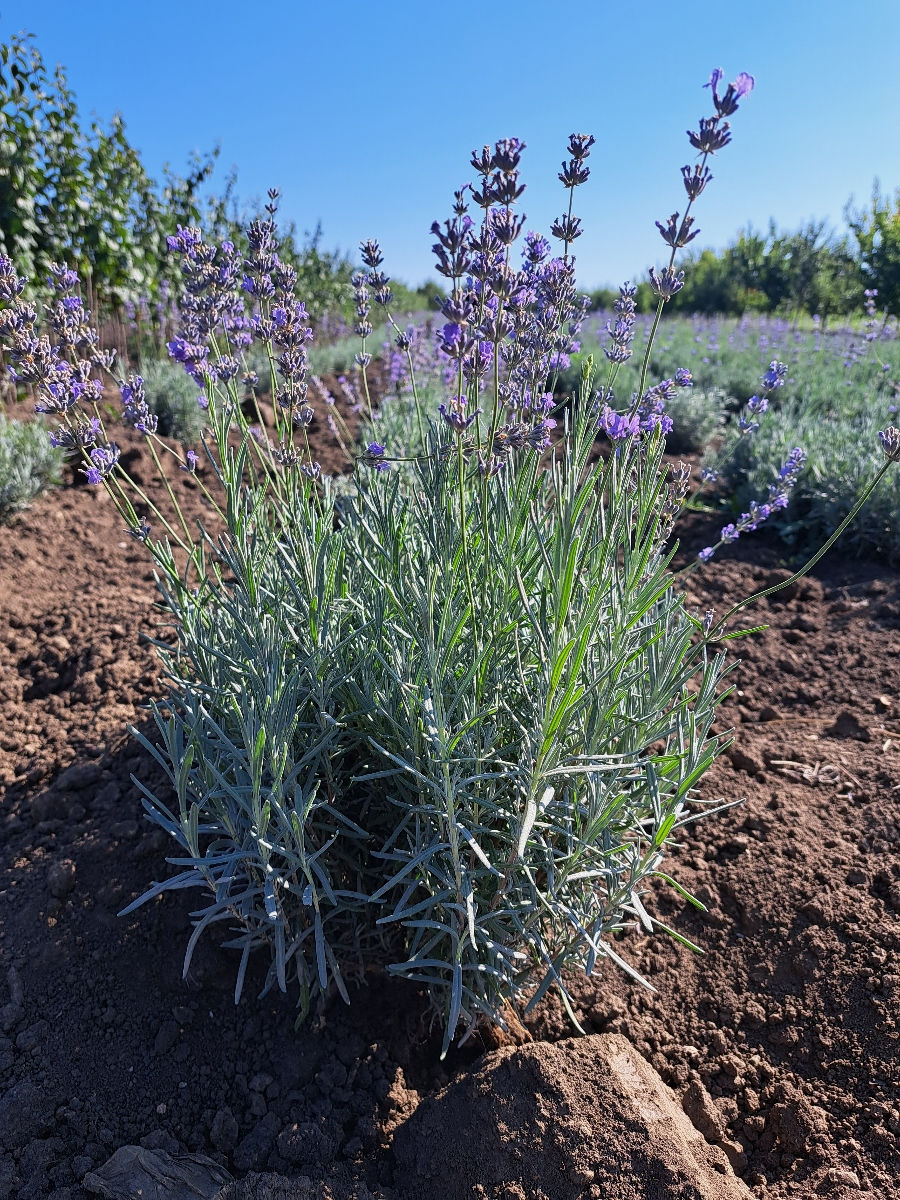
point(877, 233)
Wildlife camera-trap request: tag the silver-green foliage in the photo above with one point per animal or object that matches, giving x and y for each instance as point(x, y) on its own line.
point(369, 768)
point(28, 464)
point(540, 748)
point(839, 447)
point(173, 397)
point(697, 414)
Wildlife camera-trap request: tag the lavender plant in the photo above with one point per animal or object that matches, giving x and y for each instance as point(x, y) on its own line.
point(28, 465)
point(173, 398)
point(443, 721)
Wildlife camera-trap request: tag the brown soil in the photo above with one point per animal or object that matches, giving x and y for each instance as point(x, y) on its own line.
point(782, 1039)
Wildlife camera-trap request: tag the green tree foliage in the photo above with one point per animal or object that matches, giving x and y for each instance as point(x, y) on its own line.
point(81, 195)
point(877, 234)
point(807, 271)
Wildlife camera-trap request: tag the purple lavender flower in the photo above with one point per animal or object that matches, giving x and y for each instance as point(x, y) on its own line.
point(683, 378)
point(85, 433)
point(890, 442)
point(536, 248)
point(651, 411)
point(566, 228)
point(490, 466)
point(286, 456)
point(455, 415)
point(677, 234)
point(192, 355)
point(104, 460)
point(695, 179)
point(538, 437)
point(136, 411)
point(226, 368)
point(507, 154)
point(706, 553)
point(712, 136)
point(622, 333)
point(374, 457)
point(11, 284)
point(141, 531)
point(667, 282)
point(452, 246)
point(191, 465)
point(618, 427)
point(184, 240)
point(775, 375)
point(573, 173)
point(740, 87)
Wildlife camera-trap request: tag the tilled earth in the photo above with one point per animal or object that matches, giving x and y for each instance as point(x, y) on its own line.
point(782, 1039)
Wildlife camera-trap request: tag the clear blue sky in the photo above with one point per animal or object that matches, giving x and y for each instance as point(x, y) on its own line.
point(364, 114)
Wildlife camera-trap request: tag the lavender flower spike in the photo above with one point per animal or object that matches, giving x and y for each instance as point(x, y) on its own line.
point(737, 89)
point(455, 415)
point(617, 426)
point(374, 457)
point(104, 461)
point(890, 442)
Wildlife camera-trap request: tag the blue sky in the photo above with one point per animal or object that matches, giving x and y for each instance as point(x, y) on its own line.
point(365, 114)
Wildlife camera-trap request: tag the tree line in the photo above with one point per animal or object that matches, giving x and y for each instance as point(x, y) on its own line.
point(812, 270)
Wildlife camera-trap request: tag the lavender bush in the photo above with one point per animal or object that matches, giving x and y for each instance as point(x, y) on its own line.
point(172, 397)
point(443, 720)
point(28, 465)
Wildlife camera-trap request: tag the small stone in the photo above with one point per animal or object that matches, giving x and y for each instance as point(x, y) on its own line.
point(742, 761)
point(25, 1111)
point(166, 1038)
point(160, 1139)
point(848, 725)
point(30, 1037)
point(844, 1177)
point(81, 1164)
point(78, 777)
point(699, 1107)
point(309, 1143)
point(256, 1147)
point(135, 1171)
point(10, 1016)
point(61, 878)
point(223, 1132)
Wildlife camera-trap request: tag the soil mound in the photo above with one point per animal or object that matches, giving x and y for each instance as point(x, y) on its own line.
point(582, 1119)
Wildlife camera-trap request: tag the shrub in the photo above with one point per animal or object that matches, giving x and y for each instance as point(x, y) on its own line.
point(28, 464)
point(172, 397)
point(836, 473)
point(447, 724)
point(697, 416)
